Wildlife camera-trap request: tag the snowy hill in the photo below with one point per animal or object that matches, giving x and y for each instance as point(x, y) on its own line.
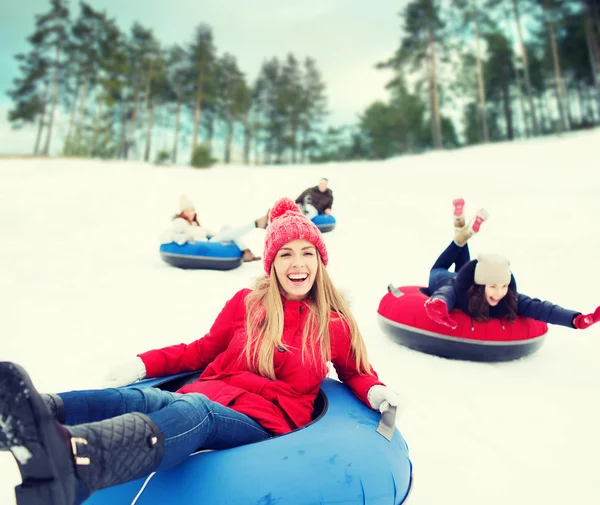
point(82, 285)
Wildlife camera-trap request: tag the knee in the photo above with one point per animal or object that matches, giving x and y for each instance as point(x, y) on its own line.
point(149, 399)
point(197, 402)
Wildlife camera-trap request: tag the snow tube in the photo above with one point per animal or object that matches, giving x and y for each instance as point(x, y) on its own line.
point(338, 458)
point(402, 315)
point(209, 255)
point(325, 222)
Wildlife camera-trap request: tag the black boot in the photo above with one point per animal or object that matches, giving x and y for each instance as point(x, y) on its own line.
point(39, 444)
point(56, 406)
point(116, 450)
point(63, 467)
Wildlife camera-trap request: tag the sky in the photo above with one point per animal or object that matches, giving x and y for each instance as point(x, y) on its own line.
point(346, 38)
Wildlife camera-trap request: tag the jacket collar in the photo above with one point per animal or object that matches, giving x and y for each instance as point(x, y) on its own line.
point(294, 304)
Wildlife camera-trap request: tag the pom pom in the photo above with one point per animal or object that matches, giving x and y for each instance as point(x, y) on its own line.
point(282, 206)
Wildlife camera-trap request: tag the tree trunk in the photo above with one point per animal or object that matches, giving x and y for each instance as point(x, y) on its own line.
point(124, 121)
point(197, 111)
point(436, 129)
point(130, 135)
point(177, 116)
point(149, 131)
point(594, 55)
point(256, 145)
point(544, 113)
point(569, 107)
point(96, 130)
point(579, 93)
point(294, 141)
point(38, 138)
point(53, 101)
point(558, 79)
point(591, 102)
point(210, 130)
point(482, 104)
point(228, 139)
point(507, 111)
point(247, 141)
point(147, 90)
point(304, 134)
point(525, 68)
point(73, 111)
point(81, 116)
point(595, 13)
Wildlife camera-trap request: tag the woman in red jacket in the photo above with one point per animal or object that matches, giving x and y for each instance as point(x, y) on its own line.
point(263, 359)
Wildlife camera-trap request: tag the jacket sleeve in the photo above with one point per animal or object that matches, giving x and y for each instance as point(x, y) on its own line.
point(447, 293)
point(458, 287)
point(545, 311)
point(344, 361)
point(330, 206)
point(300, 199)
point(197, 355)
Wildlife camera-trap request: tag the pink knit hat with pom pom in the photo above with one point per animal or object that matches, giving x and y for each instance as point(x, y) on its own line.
point(287, 223)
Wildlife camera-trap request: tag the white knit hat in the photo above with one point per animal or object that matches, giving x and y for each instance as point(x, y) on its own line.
point(492, 269)
point(185, 203)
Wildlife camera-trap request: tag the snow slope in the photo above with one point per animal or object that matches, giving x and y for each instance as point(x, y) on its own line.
point(82, 284)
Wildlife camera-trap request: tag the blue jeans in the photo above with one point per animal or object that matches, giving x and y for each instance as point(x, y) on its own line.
point(452, 255)
point(189, 422)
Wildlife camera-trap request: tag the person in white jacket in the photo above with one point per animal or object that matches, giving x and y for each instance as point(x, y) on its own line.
point(186, 227)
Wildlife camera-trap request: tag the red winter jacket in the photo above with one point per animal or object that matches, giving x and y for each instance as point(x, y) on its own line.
point(280, 405)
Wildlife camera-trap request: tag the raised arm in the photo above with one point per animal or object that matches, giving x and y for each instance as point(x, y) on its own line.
point(546, 311)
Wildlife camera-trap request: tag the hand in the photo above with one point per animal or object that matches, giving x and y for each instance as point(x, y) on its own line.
point(125, 373)
point(582, 321)
point(381, 397)
point(437, 310)
point(327, 211)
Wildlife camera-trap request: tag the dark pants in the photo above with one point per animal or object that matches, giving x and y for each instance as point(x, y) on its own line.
point(188, 421)
point(440, 271)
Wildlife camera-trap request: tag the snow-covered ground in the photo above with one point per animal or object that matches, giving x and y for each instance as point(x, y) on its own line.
point(82, 285)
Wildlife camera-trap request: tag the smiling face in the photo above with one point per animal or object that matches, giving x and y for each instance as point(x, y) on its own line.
point(296, 266)
point(495, 292)
point(323, 185)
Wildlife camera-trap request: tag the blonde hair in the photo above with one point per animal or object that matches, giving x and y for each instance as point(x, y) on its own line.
point(264, 323)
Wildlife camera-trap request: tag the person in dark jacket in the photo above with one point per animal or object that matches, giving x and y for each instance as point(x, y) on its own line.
point(486, 288)
point(316, 200)
point(263, 361)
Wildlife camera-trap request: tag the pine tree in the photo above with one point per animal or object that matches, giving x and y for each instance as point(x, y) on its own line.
point(30, 93)
point(202, 62)
point(418, 50)
point(42, 69)
point(177, 78)
point(314, 104)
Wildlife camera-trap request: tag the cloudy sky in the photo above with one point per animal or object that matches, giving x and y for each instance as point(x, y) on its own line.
point(346, 38)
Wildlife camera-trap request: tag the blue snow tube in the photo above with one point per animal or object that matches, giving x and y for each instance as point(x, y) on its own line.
point(338, 459)
point(325, 222)
point(209, 255)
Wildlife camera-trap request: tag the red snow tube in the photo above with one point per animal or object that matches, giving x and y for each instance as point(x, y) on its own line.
point(402, 315)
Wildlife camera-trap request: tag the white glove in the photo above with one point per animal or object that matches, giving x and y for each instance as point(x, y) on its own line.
point(381, 397)
point(125, 373)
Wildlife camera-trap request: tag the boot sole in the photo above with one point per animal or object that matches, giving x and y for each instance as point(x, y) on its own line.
point(29, 432)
